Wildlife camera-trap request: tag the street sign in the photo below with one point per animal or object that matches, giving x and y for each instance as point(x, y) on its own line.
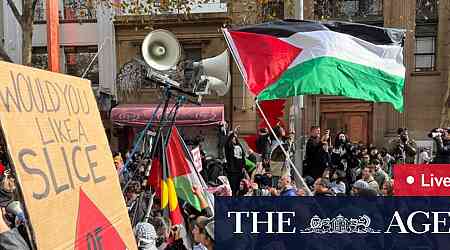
point(64, 166)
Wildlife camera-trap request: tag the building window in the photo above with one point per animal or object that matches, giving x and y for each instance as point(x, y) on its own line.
point(39, 58)
point(39, 11)
point(77, 60)
point(348, 9)
point(74, 11)
point(192, 54)
point(426, 11)
point(425, 55)
point(273, 9)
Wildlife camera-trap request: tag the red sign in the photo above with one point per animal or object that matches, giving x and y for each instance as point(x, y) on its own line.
point(422, 180)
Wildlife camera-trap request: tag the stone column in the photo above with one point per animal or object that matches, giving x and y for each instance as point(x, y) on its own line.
point(401, 14)
point(243, 110)
point(444, 58)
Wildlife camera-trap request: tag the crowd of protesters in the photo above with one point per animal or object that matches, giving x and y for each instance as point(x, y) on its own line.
point(332, 166)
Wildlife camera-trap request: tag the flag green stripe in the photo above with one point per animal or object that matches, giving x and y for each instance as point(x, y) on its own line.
point(332, 76)
point(183, 186)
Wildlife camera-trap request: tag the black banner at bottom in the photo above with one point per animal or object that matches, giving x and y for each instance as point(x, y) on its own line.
point(322, 223)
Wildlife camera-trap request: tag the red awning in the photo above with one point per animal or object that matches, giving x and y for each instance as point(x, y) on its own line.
point(137, 115)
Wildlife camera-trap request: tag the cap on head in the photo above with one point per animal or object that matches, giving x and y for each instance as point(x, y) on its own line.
point(360, 184)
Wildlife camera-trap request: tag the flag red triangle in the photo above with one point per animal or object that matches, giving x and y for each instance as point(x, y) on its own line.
point(264, 58)
point(94, 231)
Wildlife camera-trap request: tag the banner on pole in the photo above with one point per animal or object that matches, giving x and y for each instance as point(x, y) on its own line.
point(59, 149)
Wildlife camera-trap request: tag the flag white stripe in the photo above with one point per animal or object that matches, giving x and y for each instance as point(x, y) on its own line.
point(315, 44)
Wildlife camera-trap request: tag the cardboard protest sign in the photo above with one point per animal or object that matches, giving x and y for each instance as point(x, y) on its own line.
point(60, 152)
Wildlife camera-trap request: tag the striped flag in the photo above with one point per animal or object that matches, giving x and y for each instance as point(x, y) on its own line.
point(289, 58)
point(169, 199)
point(174, 179)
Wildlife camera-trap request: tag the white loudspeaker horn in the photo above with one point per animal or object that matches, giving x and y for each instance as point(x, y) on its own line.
point(217, 71)
point(216, 85)
point(161, 50)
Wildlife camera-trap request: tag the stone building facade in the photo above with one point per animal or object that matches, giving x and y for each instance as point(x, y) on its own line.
point(425, 54)
point(427, 66)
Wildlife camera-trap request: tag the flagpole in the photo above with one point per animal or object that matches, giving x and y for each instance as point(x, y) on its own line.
point(288, 158)
point(298, 106)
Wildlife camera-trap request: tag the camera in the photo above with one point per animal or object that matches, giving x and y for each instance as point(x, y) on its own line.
point(437, 132)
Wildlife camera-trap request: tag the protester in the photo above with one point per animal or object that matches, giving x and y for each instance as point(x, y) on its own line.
point(285, 187)
point(424, 156)
point(388, 160)
point(118, 162)
point(442, 140)
point(365, 160)
point(245, 188)
point(388, 188)
point(378, 173)
point(403, 149)
point(366, 175)
point(322, 187)
point(221, 187)
point(338, 185)
point(373, 153)
point(10, 238)
point(317, 158)
point(235, 155)
point(202, 233)
point(342, 149)
point(279, 165)
point(359, 186)
point(145, 236)
point(222, 136)
point(177, 240)
point(263, 143)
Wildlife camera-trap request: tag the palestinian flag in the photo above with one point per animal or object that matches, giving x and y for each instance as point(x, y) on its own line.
point(289, 58)
point(181, 170)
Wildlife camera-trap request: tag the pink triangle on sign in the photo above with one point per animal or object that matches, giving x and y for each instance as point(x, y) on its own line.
point(94, 231)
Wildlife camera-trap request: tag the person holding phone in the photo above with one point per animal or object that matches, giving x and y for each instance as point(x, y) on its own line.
point(317, 158)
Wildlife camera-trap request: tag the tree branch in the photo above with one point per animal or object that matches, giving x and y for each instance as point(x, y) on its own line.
point(4, 55)
point(15, 11)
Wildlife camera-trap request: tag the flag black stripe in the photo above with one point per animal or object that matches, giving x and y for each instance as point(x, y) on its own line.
point(283, 28)
point(286, 28)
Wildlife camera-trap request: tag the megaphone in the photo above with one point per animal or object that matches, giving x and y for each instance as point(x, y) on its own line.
point(216, 85)
point(161, 50)
point(216, 71)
